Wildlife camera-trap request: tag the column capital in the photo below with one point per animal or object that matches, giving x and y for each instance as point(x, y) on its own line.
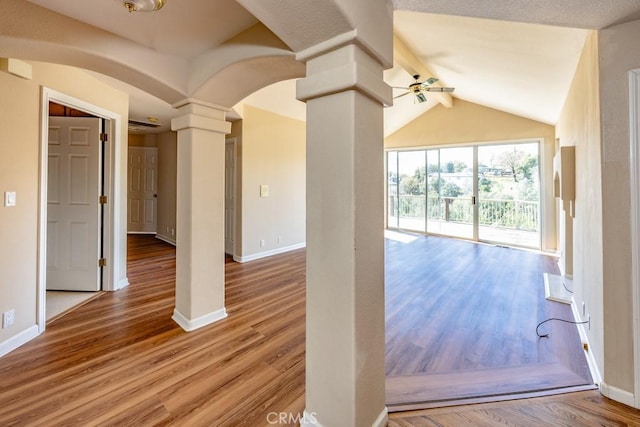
point(196, 114)
point(344, 68)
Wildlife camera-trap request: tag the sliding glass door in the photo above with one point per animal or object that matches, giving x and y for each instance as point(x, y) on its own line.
point(450, 182)
point(509, 194)
point(406, 190)
point(484, 192)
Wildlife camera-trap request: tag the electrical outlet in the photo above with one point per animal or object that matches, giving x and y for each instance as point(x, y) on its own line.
point(8, 318)
point(279, 239)
point(173, 232)
point(262, 243)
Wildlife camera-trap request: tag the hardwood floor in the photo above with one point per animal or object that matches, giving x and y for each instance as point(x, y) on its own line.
point(461, 321)
point(120, 360)
point(583, 409)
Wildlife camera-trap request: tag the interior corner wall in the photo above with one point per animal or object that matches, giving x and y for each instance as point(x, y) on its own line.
point(579, 126)
point(618, 53)
point(469, 123)
point(273, 154)
point(20, 111)
point(167, 143)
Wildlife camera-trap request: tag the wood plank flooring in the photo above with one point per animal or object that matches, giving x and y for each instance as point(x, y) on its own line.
point(583, 409)
point(461, 320)
point(120, 360)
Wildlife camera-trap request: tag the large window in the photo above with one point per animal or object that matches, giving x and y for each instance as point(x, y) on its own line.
point(485, 192)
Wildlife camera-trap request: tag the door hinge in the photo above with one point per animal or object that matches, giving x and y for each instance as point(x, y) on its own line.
point(102, 200)
point(473, 200)
point(104, 137)
point(102, 262)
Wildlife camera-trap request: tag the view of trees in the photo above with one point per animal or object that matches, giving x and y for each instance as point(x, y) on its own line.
point(510, 174)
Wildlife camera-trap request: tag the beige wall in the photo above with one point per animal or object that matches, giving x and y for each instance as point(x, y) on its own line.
point(471, 123)
point(273, 153)
point(143, 140)
point(167, 168)
point(618, 54)
point(579, 126)
point(19, 171)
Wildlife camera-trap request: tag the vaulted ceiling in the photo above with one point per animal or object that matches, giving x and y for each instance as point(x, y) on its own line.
point(514, 55)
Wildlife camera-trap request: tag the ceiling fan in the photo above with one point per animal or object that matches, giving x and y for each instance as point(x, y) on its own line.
point(417, 88)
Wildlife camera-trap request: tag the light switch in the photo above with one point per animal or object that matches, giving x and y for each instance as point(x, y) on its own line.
point(9, 198)
point(264, 191)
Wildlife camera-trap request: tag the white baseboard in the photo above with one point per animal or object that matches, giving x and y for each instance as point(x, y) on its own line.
point(166, 239)
point(617, 394)
point(192, 325)
point(18, 340)
point(584, 337)
point(272, 252)
point(382, 419)
point(141, 232)
point(123, 283)
point(310, 419)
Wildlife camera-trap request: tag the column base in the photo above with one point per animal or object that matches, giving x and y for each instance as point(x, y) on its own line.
point(310, 419)
point(191, 325)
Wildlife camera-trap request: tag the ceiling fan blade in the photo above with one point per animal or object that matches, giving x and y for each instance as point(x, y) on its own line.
point(430, 81)
point(400, 96)
point(438, 89)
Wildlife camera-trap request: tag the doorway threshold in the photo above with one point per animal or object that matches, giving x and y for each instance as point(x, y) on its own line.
point(425, 391)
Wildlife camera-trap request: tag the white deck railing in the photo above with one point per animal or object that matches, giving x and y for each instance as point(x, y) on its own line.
point(514, 214)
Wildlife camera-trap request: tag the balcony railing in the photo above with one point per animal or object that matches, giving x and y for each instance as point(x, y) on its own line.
point(515, 214)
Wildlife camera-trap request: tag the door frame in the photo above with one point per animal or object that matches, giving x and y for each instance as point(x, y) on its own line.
point(634, 157)
point(543, 168)
point(233, 141)
point(112, 222)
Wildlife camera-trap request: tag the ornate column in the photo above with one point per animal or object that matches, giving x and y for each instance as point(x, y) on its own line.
point(201, 131)
point(345, 93)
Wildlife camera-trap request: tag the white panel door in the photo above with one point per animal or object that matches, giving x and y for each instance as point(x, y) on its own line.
point(229, 197)
point(143, 190)
point(73, 216)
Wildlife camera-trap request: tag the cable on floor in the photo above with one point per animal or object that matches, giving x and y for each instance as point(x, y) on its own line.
point(565, 286)
point(560, 320)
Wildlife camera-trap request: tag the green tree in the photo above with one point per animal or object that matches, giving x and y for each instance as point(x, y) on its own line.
point(527, 167)
point(451, 189)
point(485, 185)
point(450, 167)
point(459, 166)
point(520, 164)
point(414, 185)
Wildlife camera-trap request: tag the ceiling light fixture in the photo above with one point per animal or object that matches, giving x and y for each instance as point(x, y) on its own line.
point(143, 5)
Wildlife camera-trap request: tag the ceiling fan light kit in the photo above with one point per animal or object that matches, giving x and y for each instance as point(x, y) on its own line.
point(143, 5)
point(418, 88)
